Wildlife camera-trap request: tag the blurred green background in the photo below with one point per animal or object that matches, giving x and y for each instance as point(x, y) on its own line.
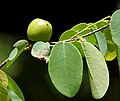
point(31, 74)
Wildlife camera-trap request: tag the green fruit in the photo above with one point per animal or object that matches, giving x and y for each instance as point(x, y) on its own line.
point(39, 30)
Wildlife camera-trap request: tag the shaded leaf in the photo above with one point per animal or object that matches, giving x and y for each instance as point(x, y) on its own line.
point(77, 44)
point(118, 57)
point(97, 69)
point(41, 50)
point(66, 68)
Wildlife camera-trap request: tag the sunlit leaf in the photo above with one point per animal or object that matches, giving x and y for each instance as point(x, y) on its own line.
point(79, 27)
point(3, 93)
point(14, 88)
point(97, 69)
point(19, 47)
point(111, 51)
point(67, 34)
point(66, 68)
point(41, 50)
point(3, 78)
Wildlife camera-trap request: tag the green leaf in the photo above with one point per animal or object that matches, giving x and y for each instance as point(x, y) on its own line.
point(106, 31)
point(82, 29)
point(3, 93)
point(111, 51)
point(77, 44)
point(100, 40)
point(14, 89)
point(79, 27)
point(41, 50)
point(67, 34)
point(118, 57)
point(102, 44)
point(20, 43)
point(3, 78)
point(13, 95)
point(66, 68)
point(13, 54)
point(97, 69)
point(111, 47)
point(19, 47)
point(115, 27)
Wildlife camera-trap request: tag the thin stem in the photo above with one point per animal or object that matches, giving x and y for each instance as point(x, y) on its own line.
point(3, 63)
point(28, 47)
point(88, 27)
point(94, 31)
point(53, 43)
point(71, 39)
point(88, 34)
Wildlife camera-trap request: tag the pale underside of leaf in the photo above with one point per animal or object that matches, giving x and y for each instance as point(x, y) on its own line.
point(97, 69)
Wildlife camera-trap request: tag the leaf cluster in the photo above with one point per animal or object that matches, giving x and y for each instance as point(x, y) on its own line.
point(94, 43)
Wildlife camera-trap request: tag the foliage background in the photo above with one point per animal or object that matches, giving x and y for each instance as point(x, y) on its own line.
point(31, 74)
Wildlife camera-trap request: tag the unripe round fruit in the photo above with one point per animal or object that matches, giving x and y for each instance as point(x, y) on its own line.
point(39, 30)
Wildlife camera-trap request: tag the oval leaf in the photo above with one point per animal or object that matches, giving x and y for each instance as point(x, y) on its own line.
point(13, 95)
point(13, 87)
point(79, 27)
point(41, 50)
point(19, 47)
point(4, 96)
point(66, 68)
point(102, 44)
point(111, 47)
point(13, 54)
point(111, 51)
point(3, 78)
point(21, 43)
point(115, 27)
point(98, 71)
point(67, 34)
point(118, 57)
